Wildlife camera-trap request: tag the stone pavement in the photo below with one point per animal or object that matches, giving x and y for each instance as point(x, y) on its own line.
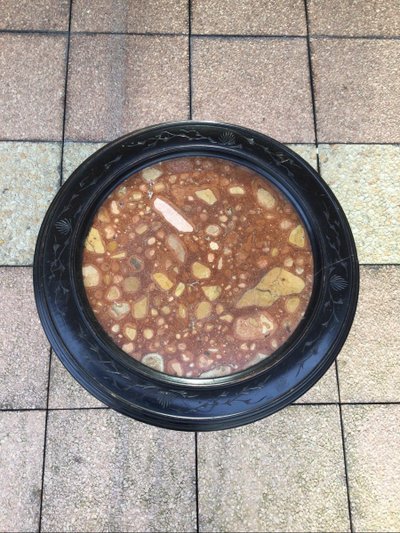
point(321, 76)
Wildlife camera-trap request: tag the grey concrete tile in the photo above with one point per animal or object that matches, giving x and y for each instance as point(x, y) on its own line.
point(76, 153)
point(264, 17)
point(324, 391)
point(21, 459)
point(365, 179)
point(65, 391)
point(346, 17)
point(24, 351)
point(105, 472)
point(368, 364)
point(118, 83)
point(283, 474)
point(50, 15)
point(245, 81)
point(307, 151)
point(29, 178)
point(32, 70)
point(357, 90)
point(164, 16)
point(372, 450)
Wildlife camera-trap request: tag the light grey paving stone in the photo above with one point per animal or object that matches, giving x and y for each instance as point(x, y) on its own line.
point(324, 391)
point(369, 369)
point(24, 350)
point(372, 439)
point(21, 459)
point(29, 179)
point(76, 153)
point(307, 152)
point(65, 391)
point(366, 180)
point(106, 472)
point(283, 474)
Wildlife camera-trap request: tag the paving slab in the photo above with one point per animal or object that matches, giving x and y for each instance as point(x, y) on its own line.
point(21, 459)
point(32, 70)
point(119, 83)
point(29, 179)
point(356, 90)
point(372, 443)
point(365, 179)
point(106, 472)
point(24, 350)
point(245, 81)
point(368, 364)
point(282, 474)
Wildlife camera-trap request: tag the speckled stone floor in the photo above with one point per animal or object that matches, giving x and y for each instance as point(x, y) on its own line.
point(320, 75)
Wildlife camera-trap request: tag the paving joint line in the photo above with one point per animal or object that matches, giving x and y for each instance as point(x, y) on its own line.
point(196, 448)
point(312, 88)
point(351, 404)
point(51, 409)
point(16, 266)
point(314, 109)
point(45, 442)
point(50, 352)
point(105, 141)
point(190, 56)
point(355, 37)
point(65, 93)
point(314, 36)
point(346, 469)
point(105, 408)
point(89, 33)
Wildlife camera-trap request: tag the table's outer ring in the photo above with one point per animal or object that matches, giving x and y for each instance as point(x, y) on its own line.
point(173, 403)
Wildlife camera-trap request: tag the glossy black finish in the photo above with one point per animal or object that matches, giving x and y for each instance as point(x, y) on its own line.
point(194, 404)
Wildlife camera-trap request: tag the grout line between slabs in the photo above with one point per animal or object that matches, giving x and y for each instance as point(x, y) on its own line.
point(105, 408)
point(60, 182)
point(229, 36)
point(51, 409)
point(68, 32)
point(45, 442)
point(65, 93)
point(311, 78)
point(314, 109)
point(16, 266)
point(355, 37)
point(190, 57)
point(5, 140)
point(196, 448)
point(102, 141)
point(314, 36)
point(346, 471)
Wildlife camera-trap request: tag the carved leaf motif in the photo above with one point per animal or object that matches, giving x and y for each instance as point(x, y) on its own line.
point(337, 282)
point(63, 226)
point(227, 138)
point(164, 398)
